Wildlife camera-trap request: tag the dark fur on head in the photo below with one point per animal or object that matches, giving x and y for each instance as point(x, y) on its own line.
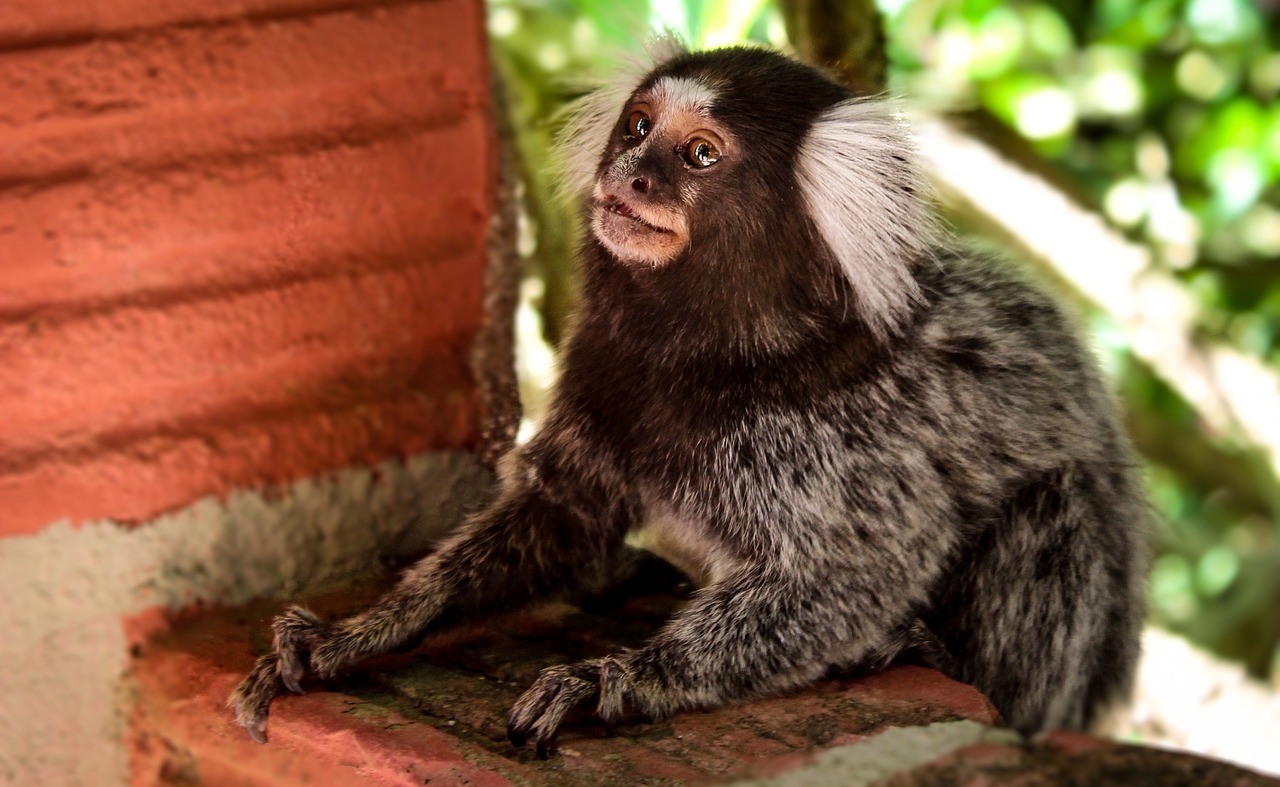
point(722, 294)
point(859, 439)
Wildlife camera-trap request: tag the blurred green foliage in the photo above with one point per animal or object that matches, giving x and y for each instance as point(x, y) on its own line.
point(1159, 114)
point(1164, 112)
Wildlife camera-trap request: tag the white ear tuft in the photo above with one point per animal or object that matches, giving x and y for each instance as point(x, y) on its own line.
point(861, 184)
point(585, 124)
point(664, 47)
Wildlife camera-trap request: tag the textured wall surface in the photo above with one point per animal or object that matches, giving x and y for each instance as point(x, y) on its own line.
point(240, 244)
point(250, 335)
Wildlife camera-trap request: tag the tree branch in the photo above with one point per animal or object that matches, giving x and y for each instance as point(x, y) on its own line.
point(844, 36)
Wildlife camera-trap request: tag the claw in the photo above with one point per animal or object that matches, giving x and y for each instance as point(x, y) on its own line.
point(546, 747)
point(257, 731)
point(540, 710)
point(517, 737)
point(291, 682)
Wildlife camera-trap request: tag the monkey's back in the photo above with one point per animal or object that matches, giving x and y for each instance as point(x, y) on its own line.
point(1043, 601)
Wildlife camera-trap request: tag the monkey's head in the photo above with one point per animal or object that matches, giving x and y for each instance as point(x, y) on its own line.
point(746, 164)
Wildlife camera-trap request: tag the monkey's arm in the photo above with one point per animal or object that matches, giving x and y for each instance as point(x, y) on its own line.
point(539, 538)
point(761, 630)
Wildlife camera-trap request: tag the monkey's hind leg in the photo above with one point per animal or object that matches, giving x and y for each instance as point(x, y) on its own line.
point(1046, 622)
point(914, 643)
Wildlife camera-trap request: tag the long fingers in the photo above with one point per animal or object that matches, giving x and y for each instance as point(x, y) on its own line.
point(296, 633)
point(540, 710)
point(252, 697)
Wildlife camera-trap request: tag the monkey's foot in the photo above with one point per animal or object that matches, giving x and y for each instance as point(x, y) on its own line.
point(540, 711)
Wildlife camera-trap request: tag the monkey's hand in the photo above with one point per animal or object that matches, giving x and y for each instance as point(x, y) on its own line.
point(500, 559)
point(299, 635)
point(757, 631)
point(539, 712)
point(251, 698)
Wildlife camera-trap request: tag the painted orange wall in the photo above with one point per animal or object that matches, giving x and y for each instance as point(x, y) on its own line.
point(240, 244)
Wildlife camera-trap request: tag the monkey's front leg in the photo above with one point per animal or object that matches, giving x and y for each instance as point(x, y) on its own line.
point(756, 632)
point(528, 545)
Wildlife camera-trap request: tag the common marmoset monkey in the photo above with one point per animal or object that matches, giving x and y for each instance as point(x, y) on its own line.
point(854, 433)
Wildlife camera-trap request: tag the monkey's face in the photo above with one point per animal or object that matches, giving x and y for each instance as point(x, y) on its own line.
point(665, 150)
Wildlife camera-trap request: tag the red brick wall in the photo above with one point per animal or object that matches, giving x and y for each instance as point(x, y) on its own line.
point(240, 243)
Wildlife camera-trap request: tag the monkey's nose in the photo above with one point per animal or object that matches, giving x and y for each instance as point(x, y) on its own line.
point(641, 185)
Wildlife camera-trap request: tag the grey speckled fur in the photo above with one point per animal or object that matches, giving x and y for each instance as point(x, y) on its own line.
point(852, 475)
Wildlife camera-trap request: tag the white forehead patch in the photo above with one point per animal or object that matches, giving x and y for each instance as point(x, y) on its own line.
point(588, 122)
point(680, 94)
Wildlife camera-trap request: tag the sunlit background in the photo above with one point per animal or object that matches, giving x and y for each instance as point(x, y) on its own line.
point(1130, 150)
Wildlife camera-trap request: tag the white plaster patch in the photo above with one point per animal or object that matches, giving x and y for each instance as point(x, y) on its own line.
point(64, 591)
point(896, 750)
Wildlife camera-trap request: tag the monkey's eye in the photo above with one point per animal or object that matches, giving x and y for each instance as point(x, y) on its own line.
point(700, 152)
point(638, 124)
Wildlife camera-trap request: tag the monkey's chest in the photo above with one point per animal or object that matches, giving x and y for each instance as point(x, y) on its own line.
point(730, 467)
point(685, 542)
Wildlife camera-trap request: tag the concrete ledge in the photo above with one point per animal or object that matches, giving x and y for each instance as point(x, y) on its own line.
point(440, 711)
point(438, 715)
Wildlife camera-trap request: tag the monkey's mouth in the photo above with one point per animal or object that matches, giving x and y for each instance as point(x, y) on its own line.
point(620, 208)
point(642, 234)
